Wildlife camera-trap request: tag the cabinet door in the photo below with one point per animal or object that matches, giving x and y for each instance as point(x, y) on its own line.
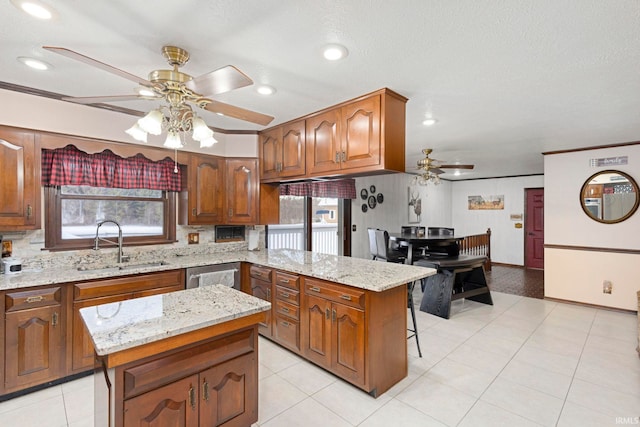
point(229, 393)
point(318, 335)
point(270, 153)
point(361, 133)
point(293, 159)
point(82, 351)
point(175, 404)
point(242, 191)
point(33, 346)
point(323, 142)
point(205, 188)
point(262, 289)
point(20, 174)
point(348, 342)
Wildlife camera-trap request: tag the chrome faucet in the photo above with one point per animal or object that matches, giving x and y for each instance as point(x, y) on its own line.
point(121, 256)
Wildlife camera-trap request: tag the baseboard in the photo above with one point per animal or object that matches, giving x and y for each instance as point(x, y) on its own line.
point(584, 304)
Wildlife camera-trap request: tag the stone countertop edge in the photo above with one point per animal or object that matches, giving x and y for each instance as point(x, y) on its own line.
point(122, 325)
point(356, 272)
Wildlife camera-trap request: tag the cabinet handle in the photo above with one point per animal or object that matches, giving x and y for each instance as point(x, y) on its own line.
point(344, 156)
point(192, 398)
point(284, 309)
point(314, 289)
point(286, 324)
point(337, 157)
point(284, 281)
point(346, 297)
point(193, 212)
point(334, 315)
point(269, 294)
point(36, 298)
point(285, 295)
point(328, 313)
point(29, 211)
point(230, 211)
point(205, 390)
point(54, 319)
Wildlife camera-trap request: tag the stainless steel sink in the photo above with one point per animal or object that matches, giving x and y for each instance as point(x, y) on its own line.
point(114, 268)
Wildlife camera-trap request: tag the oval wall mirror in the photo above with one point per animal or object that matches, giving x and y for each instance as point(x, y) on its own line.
point(609, 196)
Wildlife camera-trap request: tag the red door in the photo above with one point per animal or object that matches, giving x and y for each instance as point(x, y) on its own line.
point(534, 229)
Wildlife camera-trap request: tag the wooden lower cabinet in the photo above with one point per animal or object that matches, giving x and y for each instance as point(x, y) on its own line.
point(34, 331)
point(260, 284)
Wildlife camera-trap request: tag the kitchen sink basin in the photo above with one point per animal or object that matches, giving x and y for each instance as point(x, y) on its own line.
point(114, 268)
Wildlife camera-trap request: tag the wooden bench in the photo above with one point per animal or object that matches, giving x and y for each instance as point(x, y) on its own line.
point(478, 245)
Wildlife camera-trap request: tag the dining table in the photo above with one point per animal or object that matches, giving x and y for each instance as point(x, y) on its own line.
point(435, 246)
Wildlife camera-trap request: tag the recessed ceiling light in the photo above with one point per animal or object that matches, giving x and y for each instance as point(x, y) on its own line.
point(36, 64)
point(333, 52)
point(266, 90)
point(430, 121)
point(34, 8)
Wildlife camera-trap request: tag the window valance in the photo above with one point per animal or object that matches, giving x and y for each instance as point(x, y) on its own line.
point(339, 189)
point(71, 166)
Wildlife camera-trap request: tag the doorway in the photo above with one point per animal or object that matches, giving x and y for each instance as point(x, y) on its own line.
point(534, 228)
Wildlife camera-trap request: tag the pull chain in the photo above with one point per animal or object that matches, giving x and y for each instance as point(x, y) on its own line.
point(175, 156)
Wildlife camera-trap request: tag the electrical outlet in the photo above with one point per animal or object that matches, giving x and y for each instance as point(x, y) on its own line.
point(607, 287)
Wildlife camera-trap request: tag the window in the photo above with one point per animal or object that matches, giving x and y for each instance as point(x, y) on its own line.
point(73, 212)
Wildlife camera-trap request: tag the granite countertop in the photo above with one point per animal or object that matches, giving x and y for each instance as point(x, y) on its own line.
point(360, 273)
point(123, 325)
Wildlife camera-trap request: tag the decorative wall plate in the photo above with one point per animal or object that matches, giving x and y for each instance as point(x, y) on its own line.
point(372, 202)
point(364, 194)
point(364, 207)
point(372, 189)
point(380, 198)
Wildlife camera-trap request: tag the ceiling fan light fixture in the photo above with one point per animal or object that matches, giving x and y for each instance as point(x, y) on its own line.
point(36, 64)
point(173, 140)
point(334, 52)
point(152, 122)
point(429, 121)
point(137, 133)
point(200, 130)
point(34, 8)
point(208, 142)
point(266, 90)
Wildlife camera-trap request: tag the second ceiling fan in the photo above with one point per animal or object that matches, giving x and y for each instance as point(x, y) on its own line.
point(434, 166)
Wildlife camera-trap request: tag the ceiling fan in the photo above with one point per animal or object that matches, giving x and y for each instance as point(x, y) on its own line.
point(429, 165)
point(177, 88)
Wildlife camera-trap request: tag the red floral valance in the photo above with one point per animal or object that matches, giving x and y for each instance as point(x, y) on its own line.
point(70, 166)
point(338, 189)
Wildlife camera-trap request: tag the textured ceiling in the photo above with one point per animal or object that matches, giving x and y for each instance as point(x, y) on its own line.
point(506, 79)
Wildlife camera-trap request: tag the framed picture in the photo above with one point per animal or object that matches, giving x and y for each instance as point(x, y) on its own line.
point(415, 205)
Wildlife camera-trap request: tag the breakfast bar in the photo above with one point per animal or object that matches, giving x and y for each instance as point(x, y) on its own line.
point(188, 357)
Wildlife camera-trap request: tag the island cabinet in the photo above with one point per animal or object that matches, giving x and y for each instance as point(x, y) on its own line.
point(282, 151)
point(219, 191)
point(361, 136)
point(20, 174)
point(34, 334)
point(286, 324)
point(96, 292)
point(357, 334)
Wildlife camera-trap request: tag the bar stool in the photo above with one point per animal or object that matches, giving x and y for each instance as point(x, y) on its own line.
point(384, 253)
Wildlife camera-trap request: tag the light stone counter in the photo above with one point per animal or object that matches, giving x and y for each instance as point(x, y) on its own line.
point(360, 273)
point(127, 324)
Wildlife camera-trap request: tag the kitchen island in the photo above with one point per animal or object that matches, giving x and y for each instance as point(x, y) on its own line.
point(183, 358)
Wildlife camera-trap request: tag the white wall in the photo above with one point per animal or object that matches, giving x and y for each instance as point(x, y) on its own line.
point(35, 112)
point(393, 212)
point(575, 274)
point(507, 241)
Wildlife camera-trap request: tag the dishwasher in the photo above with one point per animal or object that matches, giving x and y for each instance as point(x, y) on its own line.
point(227, 274)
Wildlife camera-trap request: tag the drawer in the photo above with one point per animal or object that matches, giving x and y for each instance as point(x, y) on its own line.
point(261, 273)
point(128, 284)
point(33, 298)
point(288, 280)
point(288, 310)
point(339, 293)
point(287, 333)
point(289, 295)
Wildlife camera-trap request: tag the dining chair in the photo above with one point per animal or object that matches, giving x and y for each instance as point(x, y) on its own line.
point(385, 253)
point(373, 246)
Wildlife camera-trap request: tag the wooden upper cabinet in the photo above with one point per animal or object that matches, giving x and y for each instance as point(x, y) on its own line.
point(20, 174)
point(204, 198)
point(242, 191)
point(323, 142)
point(282, 151)
point(361, 133)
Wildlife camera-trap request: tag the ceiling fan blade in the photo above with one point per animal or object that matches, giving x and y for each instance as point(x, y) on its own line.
point(219, 81)
point(99, 99)
point(238, 113)
point(90, 61)
point(456, 166)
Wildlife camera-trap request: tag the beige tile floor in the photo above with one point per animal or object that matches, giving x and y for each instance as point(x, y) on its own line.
point(521, 362)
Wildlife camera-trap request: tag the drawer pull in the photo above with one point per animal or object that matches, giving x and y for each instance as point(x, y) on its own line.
point(284, 309)
point(314, 289)
point(192, 398)
point(284, 281)
point(346, 297)
point(36, 298)
point(285, 295)
point(286, 324)
point(205, 390)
